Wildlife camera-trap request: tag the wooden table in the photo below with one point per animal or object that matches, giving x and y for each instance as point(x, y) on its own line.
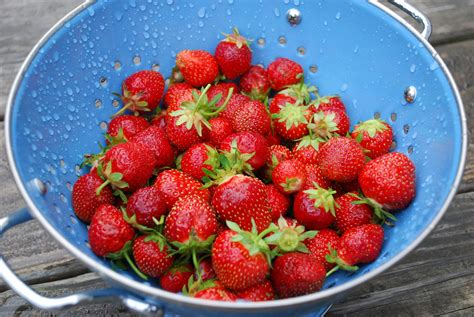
point(436, 279)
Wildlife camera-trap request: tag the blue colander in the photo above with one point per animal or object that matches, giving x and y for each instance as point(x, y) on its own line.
point(62, 99)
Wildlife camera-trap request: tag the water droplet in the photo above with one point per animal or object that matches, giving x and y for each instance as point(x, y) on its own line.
point(118, 15)
point(434, 66)
point(413, 68)
point(277, 12)
point(202, 12)
point(344, 87)
point(230, 1)
point(169, 2)
point(356, 49)
point(91, 11)
point(69, 91)
point(338, 15)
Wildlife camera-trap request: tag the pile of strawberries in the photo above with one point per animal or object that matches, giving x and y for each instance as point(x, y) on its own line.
point(244, 184)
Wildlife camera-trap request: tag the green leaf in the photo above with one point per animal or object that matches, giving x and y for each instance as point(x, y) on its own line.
point(233, 226)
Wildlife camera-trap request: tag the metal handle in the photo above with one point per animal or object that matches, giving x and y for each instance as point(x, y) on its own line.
point(416, 14)
point(47, 303)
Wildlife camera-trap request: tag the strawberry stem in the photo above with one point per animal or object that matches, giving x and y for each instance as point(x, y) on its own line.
point(334, 269)
point(134, 267)
point(102, 186)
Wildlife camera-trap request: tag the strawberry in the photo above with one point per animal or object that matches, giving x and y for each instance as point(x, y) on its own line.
point(142, 91)
point(155, 140)
point(288, 236)
point(315, 177)
point(206, 271)
point(350, 213)
point(198, 67)
point(255, 84)
point(174, 184)
point(85, 200)
point(191, 226)
point(177, 94)
point(233, 55)
point(234, 103)
point(159, 120)
point(273, 138)
point(151, 255)
point(329, 123)
point(176, 278)
point(278, 154)
point(389, 181)
point(289, 176)
point(357, 245)
point(284, 72)
point(221, 128)
point(295, 274)
point(240, 199)
point(306, 151)
point(258, 293)
point(279, 203)
point(184, 127)
point(327, 103)
point(146, 204)
point(198, 157)
point(248, 143)
point(216, 293)
point(240, 258)
point(322, 244)
point(253, 117)
point(314, 208)
point(341, 159)
point(375, 136)
point(129, 125)
point(291, 122)
point(127, 166)
point(280, 101)
point(223, 89)
point(109, 232)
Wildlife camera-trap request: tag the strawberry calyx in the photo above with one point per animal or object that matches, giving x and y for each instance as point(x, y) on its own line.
point(114, 179)
point(321, 100)
point(192, 247)
point(289, 238)
point(194, 286)
point(115, 139)
point(292, 114)
point(212, 157)
point(323, 125)
point(124, 254)
point(310, 140)
point(291, 184)
point(252, 240)
point(131, 102)
point(333, 257)
point(323, 198)
point(300, 91)
point(196, 113)
point(371, 127)
point(132, 220)
point(258, 94)
point(236, 38)
point(380, 214)
point(176, 76)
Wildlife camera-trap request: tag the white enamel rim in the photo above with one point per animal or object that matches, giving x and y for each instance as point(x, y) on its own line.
point(168, 297)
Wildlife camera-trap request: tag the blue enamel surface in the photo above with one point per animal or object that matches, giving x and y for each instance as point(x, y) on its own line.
point(361, 54)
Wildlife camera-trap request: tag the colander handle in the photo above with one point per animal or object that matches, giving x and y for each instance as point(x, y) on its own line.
point(47, 303)
point(416, 14)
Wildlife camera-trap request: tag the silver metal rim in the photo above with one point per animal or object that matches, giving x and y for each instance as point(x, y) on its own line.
point(170, 297)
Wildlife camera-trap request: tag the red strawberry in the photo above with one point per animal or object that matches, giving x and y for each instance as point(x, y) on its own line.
point(248, 143)
point(279, 203)
point(291, 122)
point(221, 128)
point(222, 88)
point(328, 103)
point(177, 94)
point(358, 245)
point(146, 204)
point(233, 55)
point(216, 293)
point(289, 176)
point(109, 232)
point(174, 184)
point(278, 153)
point(306, 151)
point(191, 225)
point(322, 244)
point(129, 125)
point(328, 123)
point(198, 67)
point(240, 265)
point(273, 138)
point(198, 157)
point(280, 101)
point(253, 117)
point(155, 140)
point(315, 177)
point(240, 199)
point(176, 278)
point(234, 103)
point(375, 136)
point(288, 236)
point(142, 91)
point(152, 256)
point(296, 274)
point(258, 293)
point(284, 72)
point(85, 200)
point(159, 120)
point(206, 271)
point(341, 159)
point(255, 84)
point(181, 137)
point(314, 208)
point(350, 214)
point(128, 166)
point(389, 181)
